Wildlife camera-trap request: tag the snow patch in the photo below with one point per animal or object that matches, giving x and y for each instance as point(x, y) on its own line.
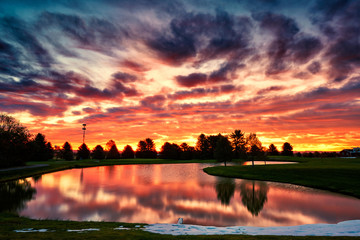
point(83, 230)
point(121, 228)
point(347, 228)
point(27, 230)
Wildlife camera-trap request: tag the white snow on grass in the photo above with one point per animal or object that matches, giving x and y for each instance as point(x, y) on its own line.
point(121, 228)
point(83, 230)
point(27, 230)
point(347, 228)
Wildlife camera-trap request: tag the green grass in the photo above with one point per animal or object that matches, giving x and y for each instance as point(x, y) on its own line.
point(341, 175)
point(10, 222)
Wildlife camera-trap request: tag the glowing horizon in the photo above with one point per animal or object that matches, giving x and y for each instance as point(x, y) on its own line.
point(171, 70)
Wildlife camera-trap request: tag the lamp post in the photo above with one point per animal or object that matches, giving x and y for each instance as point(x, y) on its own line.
point(84, 128)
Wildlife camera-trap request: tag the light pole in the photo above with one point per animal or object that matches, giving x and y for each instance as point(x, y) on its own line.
point(84, 128)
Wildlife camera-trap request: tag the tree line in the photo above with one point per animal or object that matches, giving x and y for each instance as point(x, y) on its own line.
point(18, 146)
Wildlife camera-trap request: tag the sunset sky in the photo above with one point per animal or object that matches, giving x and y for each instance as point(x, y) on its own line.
point(170, 70)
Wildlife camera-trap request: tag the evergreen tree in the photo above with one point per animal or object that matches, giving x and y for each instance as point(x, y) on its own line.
point(223, 150)
point(113, 153)
point(203, 147)
point(37, 148)
point(128, 152)
point(98, 152)
point(83, 152)
point(49, 151)
point(238, 142)
point(67, 152)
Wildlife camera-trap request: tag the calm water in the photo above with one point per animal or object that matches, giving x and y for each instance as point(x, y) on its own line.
point(163, 193)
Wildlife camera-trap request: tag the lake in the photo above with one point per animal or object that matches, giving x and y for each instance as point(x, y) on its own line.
point(158, 193)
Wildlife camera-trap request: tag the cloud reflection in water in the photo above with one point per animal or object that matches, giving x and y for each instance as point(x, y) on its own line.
point(163, 193)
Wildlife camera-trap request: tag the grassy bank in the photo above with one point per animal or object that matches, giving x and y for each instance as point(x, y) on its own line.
point(58, 230)
point(55, 165)
point(341, 175)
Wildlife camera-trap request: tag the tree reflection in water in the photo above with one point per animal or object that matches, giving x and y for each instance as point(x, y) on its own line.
point(253, 195)
point(15, 194)
point(225, 188)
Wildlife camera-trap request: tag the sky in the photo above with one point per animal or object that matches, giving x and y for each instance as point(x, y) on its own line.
point(288, 71)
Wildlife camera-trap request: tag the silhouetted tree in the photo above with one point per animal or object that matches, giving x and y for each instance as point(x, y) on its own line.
point(13, 142)
point(49, 151)
point(253, 197)
point(287, 149)
point(213, 139)
point(146, 149)
point(223, 150)
point(37, 148)
point(187, 152)
point(98, 152)
point(225, 189)
point(109, 144)
point(170, 151)
point(67, 152)
point(238, 142)
point(113, 153)
point(112, 150)
point(273, 150)
point(83, 152)
point(256, 150)
point(203, 147)
point(128, 152)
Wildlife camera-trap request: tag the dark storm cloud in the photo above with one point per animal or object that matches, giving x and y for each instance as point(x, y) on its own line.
point(55, 87)
point(10, 63)
point(305, 48)
point(289, 44)
point(314, 67)
point(19, 32)
point(339, 20)
point(344, 57)
point(124, 77)
point(155, 102)
point(73, 26)
point(201, 92)
point(191, 80)
point(90, 33)
point(278, 24)
point(11, 85)
point(13, 105)
point(193, 93)
point(134, 66)
point(204, 34)
point(228, 88)
point(270, 90)
point(225, 73)
point(331, 8)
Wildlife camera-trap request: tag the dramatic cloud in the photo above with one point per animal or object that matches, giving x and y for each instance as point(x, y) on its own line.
point(191, 80)
point(170, 70)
